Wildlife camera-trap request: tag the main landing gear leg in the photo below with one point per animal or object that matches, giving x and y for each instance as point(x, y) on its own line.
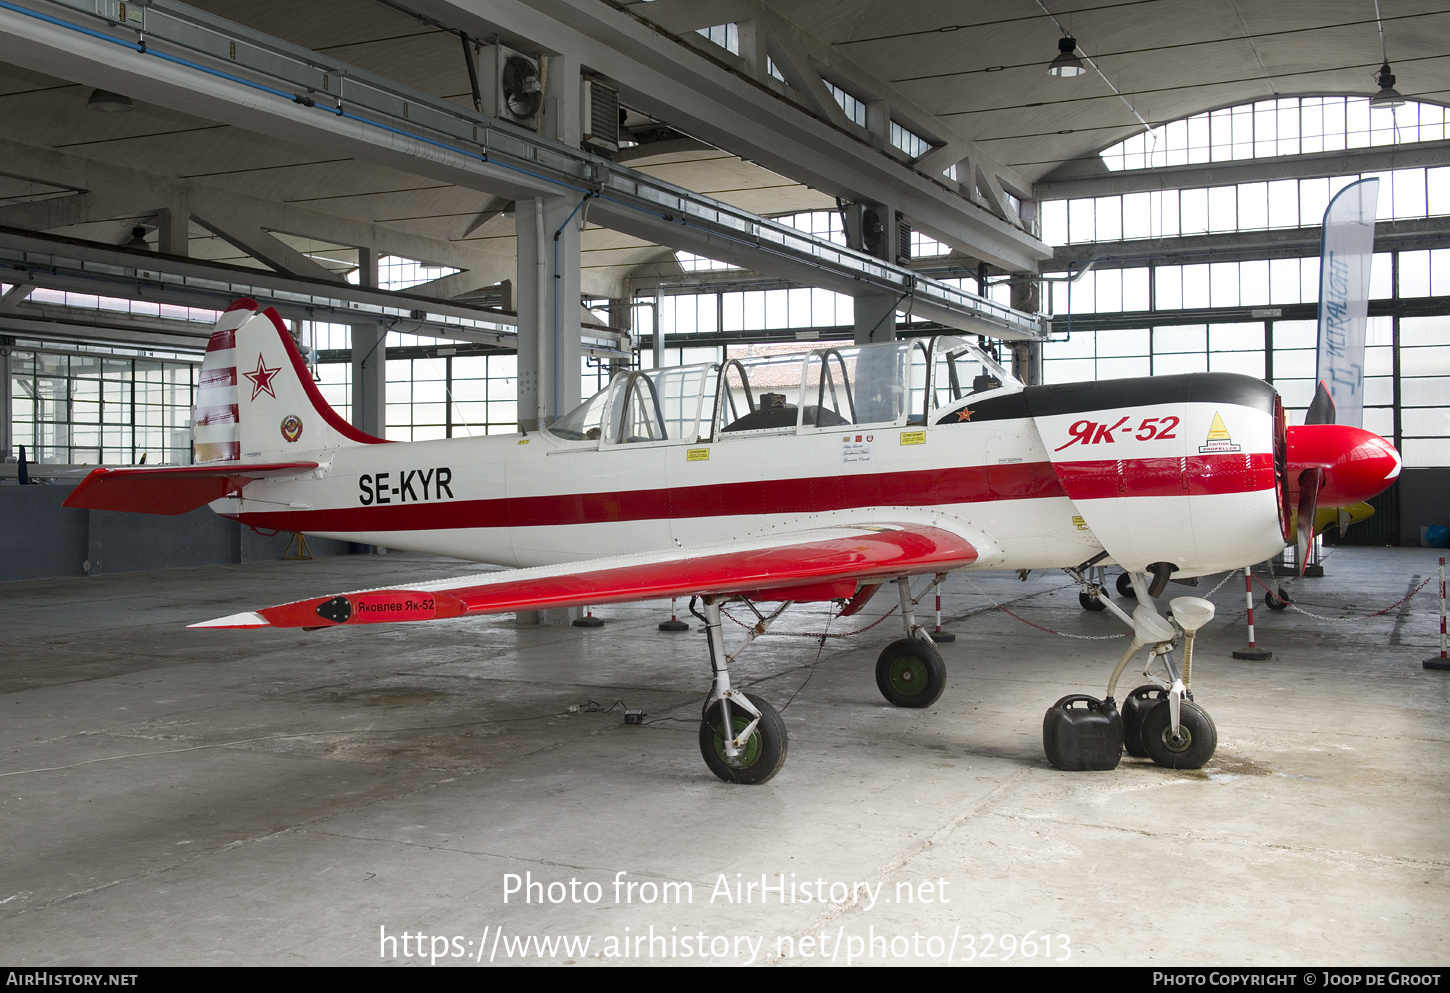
point(742, 737)
point(910, 672)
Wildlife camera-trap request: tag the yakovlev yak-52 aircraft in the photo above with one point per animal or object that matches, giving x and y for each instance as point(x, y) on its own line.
point(776, 479)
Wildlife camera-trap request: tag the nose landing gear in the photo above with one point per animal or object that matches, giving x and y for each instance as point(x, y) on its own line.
point(1158, 722)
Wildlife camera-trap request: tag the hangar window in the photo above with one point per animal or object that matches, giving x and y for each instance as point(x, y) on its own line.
point(141, 308)
point(923, 247)
point(398, 273)
point(1257, 206)
point(909, 141)
point(854, 106)
point(1167, 308)
point(698, 263)
point(1273, 128)
point(727, 36)
point(823, 223)
point(116, 406)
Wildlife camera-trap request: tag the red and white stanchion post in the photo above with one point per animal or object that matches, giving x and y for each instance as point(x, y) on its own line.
point(674, 623)
point(1251, 653)
point(1442, 662)
point(939, 635)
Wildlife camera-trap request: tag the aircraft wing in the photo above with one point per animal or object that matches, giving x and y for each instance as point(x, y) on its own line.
point(173, 489)
point(810, 564)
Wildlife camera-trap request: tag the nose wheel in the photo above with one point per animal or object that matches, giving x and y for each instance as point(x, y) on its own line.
point(1188, 746)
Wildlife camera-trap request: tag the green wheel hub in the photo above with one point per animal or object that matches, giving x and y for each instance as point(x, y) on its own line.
point(908, 675)
point(762, 754)
point(750, 751)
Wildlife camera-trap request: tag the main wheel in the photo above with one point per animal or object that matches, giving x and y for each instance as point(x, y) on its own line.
point(1090, 601)
point(911, 673)
point(1273, 601)
point(1191, 748)
point(1125, 587)
point(760, 757)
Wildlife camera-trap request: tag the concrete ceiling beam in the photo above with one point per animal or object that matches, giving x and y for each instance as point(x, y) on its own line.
point(759, 120)
point(244, 234)
point(111, 191)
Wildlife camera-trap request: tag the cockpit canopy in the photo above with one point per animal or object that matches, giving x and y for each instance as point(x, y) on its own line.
point(894, 383)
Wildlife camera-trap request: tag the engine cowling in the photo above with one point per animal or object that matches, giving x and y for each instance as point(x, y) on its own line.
point(1175, 469)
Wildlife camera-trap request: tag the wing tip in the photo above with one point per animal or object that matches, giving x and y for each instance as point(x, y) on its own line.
point(246, 619)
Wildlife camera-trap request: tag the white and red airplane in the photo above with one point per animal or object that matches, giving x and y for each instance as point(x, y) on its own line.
point(777, 479)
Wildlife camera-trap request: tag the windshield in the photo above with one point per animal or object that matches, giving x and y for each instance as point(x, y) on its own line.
point(644, 406)
point(960, 368)
point(583, 423)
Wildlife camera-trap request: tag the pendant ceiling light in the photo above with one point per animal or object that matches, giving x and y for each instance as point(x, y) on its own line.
point(1067, 63)
point(1388, 98)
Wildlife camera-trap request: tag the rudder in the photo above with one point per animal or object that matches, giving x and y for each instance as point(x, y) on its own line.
point(256, 399)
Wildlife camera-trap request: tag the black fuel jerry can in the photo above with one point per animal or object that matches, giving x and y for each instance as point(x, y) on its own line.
point(1083, 733)
point(1135, 708)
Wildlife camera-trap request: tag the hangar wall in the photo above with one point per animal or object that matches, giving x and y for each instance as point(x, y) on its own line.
point(41, 539)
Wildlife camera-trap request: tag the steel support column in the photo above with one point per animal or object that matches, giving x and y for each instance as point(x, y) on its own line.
point(369, 359)
point(875, 316)
point(548, 305)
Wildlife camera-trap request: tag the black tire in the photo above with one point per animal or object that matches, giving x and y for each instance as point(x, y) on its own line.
point(763, 754)
point(1091, 601)
point(1273, 601)
point(1196, 746)
point(1125, 587)
point(1135, 707)
point(911, 673)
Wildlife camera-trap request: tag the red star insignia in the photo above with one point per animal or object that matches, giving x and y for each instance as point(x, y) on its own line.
point(262, 379)
point(964, 415)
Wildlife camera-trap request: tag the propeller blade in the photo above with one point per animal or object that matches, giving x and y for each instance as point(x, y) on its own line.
point(1321, 408)
point(1344, 519)
point(1310, 482)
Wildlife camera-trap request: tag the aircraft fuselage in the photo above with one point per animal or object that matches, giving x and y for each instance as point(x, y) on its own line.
point(1179, 469)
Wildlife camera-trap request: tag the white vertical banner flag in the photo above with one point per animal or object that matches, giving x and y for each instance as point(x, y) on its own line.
point(1345, 256)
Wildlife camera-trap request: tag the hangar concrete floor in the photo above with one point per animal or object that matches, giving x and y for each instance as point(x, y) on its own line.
point(174, 796)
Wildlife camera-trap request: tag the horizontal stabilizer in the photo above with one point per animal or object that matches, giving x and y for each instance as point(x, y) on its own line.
point(815, 564)
point(172, 489)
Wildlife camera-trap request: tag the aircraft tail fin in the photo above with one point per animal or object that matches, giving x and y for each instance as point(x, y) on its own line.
point(256, 398)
